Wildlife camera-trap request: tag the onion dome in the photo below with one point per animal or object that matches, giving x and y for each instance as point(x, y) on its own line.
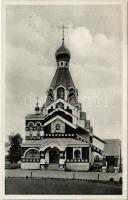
point(37, 109)
point(62, 53)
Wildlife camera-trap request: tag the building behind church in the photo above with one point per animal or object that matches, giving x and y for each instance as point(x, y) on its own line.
point(59, 136)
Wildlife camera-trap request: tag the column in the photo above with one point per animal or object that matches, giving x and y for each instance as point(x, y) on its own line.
point(104, 166)
point(116, 165)
point(42, 160)
point(62, 160)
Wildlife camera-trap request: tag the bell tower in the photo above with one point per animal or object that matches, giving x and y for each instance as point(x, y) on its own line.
point(62, 86)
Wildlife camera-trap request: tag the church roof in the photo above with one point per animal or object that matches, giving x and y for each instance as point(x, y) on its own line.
point(101, 140)
point(63, 142)
point(112, 147)
point(38, 116)
point(62, 77)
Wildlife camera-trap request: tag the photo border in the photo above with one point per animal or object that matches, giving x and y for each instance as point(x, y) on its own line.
point(123, 3)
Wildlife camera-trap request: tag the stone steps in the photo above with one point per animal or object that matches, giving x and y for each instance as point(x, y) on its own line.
point(53, 166)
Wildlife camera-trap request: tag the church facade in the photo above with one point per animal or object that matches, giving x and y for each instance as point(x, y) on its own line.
point(58, 135)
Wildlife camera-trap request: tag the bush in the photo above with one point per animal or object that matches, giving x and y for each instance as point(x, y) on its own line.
point(15, 165)
point(111, 179)
point(120, 180)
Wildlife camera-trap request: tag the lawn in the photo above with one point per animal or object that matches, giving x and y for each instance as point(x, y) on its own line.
point(60, 186)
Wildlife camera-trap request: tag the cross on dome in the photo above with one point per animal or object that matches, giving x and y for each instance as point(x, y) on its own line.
point(63, 28)
point(63, 53)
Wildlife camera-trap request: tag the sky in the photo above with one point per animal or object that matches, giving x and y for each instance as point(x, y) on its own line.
point(94, 37)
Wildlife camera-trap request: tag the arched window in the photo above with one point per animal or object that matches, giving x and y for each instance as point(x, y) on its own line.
point(50, 95)
point(38, 128)
point(72, 97)
point(60, 93)
point(32, 153)
point(77, 154)
point(30, 129)
point(73, 100)
point(71, 93)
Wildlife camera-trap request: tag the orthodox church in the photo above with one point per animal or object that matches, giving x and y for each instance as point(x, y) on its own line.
point(58, 135)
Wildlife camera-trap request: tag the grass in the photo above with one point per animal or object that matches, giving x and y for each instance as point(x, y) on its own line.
point(60, 186)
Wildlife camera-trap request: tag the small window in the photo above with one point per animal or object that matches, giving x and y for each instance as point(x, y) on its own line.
point(57, 127)
point(38, 128)
point(60, 93)
point(51, 95)
point(61, 63)
point(77, 154)
point(30, 131)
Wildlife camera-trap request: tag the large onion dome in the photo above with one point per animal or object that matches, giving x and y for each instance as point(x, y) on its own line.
point(62, 53)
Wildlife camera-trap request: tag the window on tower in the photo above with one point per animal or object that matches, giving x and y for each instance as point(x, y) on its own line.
point(38, 128)
point(60, 93)
point(50, 95)
point(30, 131)
point(61, 63)
point(71, 93)
point(72, 97)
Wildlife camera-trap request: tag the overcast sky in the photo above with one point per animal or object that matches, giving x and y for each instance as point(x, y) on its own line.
point(94, 38)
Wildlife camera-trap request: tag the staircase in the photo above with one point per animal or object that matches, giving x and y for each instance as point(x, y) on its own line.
point(52, 166)
point(94, 148)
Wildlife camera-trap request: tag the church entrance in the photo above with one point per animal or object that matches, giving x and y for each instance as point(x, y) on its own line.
point(53, 156)
point(110, 163)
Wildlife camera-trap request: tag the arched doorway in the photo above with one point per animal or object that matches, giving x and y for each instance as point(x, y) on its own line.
point(54, 156)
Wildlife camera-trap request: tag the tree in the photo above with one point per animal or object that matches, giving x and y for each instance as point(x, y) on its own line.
point(15, 150)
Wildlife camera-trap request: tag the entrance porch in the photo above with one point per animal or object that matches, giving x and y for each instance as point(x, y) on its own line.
point(52, 159)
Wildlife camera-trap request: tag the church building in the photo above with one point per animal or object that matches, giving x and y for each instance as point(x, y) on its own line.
point(58, 135)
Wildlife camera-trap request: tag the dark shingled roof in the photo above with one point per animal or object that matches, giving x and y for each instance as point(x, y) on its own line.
point(64, 142)
point(112, 147)
point(62, 77)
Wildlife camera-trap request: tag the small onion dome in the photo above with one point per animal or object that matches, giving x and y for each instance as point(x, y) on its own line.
point(63, 53)
point(37, 109)
point(43, 107)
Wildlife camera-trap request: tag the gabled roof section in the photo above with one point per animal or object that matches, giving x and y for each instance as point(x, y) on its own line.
point(62, 77)
point(62, 119)
point(112, 147)
point(62, 142)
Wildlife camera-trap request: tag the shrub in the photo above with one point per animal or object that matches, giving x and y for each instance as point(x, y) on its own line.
point(120, 180)
point(15, 165)
point(111, 179)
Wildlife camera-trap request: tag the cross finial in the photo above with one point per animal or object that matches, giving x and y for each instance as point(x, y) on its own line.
point(63, 27)
point(37, 100)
